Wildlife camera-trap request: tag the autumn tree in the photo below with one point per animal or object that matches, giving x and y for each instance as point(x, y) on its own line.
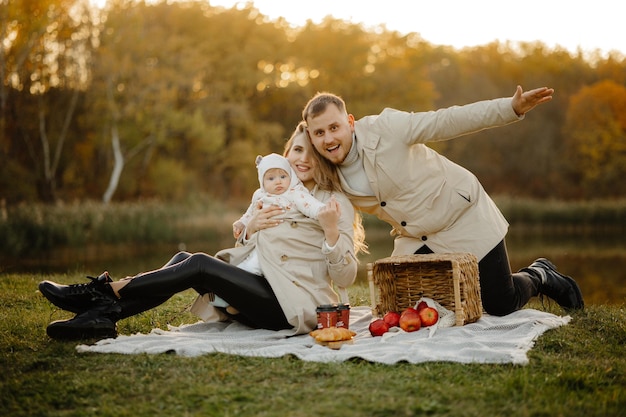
point(596, 132)
point(166, 99)
point(522, 159)
point(144, 82)
point(45, 51)
point(173, 93)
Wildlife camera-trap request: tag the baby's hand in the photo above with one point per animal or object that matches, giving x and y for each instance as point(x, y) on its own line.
point(238, 229)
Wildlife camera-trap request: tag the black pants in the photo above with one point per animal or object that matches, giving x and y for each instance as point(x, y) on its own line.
point(502, 292)
point(249, 293)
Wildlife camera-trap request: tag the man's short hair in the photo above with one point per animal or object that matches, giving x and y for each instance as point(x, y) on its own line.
point(320, 102)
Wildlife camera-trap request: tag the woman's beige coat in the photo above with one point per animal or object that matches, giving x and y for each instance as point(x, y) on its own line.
point(293, 262)
point(425, 197)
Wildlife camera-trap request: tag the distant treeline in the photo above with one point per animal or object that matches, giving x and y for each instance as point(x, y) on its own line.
point(166, 100)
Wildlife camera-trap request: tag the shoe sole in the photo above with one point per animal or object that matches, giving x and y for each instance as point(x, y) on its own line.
point(70, 333)
point(579, 294)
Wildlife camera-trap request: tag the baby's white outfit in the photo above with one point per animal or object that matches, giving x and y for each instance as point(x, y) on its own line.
point(296, 201)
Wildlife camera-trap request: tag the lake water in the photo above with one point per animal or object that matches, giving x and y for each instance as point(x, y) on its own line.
point(597, 263)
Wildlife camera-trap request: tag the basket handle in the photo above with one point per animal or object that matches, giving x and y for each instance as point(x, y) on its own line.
point(370, 280)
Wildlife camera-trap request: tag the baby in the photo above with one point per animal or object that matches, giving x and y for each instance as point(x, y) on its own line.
point(279, 186)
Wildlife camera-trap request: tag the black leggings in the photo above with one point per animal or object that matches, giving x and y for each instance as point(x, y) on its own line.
point(249, 293)
point(502, 292)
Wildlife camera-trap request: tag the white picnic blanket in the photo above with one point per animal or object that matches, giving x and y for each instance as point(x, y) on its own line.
point(490, 340)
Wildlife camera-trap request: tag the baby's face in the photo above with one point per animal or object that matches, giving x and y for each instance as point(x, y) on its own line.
point(276, 181)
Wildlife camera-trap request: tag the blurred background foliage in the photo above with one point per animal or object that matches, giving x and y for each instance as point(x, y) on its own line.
point(168, 100)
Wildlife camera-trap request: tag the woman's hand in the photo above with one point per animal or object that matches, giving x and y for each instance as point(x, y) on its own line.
point(262, 219)
point(329, 220)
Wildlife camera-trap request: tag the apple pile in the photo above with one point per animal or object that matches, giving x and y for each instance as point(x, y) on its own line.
point(410, 320)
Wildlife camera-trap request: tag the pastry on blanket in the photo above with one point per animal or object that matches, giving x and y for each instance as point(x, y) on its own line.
point(332, 334)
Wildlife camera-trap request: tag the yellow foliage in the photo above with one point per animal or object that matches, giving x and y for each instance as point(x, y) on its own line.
point(596, 128)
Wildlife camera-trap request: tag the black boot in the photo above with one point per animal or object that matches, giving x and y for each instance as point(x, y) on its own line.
point(97, 323)
point(559, 287)
point(79, 298)
point(100, 322)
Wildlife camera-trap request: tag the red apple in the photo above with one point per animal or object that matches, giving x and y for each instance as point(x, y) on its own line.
point(428, 316)
point(410, 320)
point(378, 327)
point(392, 318)
point(421, 305)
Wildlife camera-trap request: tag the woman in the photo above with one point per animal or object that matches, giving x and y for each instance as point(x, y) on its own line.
point(300, 260)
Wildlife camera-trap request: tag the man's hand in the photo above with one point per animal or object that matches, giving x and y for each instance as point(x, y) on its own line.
point(523, 102)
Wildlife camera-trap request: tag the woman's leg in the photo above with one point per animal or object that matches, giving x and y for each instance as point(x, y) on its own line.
point(249, 293)
point(131, 307)
point(179, 257)
point(79, 298)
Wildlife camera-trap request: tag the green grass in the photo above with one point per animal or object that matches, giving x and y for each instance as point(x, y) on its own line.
point(575, 370)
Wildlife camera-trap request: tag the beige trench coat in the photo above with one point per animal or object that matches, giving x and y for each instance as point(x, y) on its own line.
point(425, 197)
point(292, 260)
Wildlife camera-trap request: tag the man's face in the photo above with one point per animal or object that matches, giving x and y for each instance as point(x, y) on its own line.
point(331, 133)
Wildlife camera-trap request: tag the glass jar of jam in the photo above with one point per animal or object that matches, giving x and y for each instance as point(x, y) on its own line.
point(343, 315)
point(326, 316)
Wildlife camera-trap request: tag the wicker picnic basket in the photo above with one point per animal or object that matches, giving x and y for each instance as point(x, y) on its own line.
point(451, 279)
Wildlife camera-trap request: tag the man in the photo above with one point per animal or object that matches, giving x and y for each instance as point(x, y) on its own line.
point(433, 204)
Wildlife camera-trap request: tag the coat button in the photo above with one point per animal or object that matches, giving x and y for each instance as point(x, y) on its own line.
point(403, 223)
point(424, 238)
point(294, 224)
point(284, 258)
point(383, 204)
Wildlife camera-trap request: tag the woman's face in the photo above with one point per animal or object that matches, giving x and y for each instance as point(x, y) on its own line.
point(301, 160)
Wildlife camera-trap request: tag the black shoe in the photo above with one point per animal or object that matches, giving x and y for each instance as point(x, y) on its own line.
point(559, 287)
point(79, 298)
point(92, 324)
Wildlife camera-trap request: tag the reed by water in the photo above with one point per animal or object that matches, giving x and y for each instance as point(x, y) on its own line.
point(32, 228)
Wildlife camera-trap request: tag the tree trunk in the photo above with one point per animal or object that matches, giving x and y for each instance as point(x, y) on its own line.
point(118, 166)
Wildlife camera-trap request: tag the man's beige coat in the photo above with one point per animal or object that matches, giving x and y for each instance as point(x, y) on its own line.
point(425, 197)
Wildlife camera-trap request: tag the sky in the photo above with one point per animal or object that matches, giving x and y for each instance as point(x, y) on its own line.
point(590, 25)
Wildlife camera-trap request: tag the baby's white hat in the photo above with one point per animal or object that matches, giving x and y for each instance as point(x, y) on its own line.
point(273, 160)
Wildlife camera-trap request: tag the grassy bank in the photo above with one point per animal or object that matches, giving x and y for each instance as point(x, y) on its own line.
point(37, 228)
point(576, 370)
